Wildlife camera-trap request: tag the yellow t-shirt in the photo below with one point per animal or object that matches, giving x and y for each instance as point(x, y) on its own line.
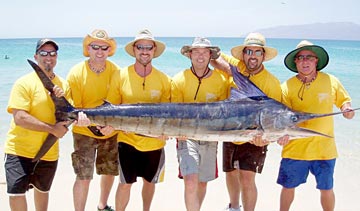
point(127, 88)
point(89, 89)
point(211, 89)
point(324, 92)
point(29, 94)
point(264, 80)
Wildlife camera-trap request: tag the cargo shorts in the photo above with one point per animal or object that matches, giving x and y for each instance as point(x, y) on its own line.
point(89, 150)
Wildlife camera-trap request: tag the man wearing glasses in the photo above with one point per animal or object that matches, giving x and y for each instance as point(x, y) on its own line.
point(89, 82)
point(140, 156)
point(241, 161)
point(311, 91)
point(33, 119)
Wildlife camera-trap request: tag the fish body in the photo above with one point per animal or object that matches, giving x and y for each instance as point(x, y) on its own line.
point(218, 121)
point(246, 113)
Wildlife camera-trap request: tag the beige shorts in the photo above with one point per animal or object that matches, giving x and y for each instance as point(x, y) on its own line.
point(198, 157)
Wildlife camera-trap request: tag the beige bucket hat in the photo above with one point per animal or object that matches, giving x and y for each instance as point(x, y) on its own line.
point(145, 34)
point(201, 42)
point(254, 39)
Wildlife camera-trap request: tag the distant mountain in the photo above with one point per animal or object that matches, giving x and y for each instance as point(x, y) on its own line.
point(327, 31)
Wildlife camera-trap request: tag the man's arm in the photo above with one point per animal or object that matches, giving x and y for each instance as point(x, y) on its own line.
point(25, 120)
point(221, 64)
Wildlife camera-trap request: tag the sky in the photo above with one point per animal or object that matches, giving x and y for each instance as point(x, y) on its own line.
point(124, 18)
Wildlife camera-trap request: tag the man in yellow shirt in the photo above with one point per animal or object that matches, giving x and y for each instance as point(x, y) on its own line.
point(241, 161)
point(311, 91)
point(33, 119)
point(197, 158)
point(89, 83)
point(140, 156)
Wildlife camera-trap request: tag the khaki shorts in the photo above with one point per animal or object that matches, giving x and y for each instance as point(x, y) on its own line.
point(102, 152)
point(198, 157)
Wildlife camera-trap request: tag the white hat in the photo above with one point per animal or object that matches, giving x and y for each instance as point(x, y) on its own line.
point(145, 34)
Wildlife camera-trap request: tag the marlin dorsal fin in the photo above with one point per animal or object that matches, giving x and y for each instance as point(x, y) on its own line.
point(245, 88)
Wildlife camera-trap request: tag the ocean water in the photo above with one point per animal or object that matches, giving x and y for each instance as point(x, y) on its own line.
point(344, 64)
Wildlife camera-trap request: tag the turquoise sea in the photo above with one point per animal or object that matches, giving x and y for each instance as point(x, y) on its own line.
point(344, 63)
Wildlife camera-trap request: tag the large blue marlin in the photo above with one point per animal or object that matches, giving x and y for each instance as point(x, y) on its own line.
point(247, 112)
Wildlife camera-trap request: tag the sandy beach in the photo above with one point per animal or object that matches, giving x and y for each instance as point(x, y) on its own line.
point(169, 194)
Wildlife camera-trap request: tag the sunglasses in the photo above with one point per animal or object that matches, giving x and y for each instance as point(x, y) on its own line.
point(250, 52)
point(97, 47)
point(46, 53)
point(306, 57)
point(144, 47)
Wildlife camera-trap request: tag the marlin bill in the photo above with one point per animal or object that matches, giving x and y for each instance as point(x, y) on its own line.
point(247, 112)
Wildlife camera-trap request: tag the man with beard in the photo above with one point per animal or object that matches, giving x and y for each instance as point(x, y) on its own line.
point(140, 156)
point(241, 161)
point(33, 119)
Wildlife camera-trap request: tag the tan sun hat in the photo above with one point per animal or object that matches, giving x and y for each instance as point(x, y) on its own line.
point(201, 42)
point(145, 34)
point(254, 39)
point(323, 57)
point(98, 35)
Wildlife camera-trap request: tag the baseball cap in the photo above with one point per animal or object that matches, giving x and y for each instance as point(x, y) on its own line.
point(44, 41)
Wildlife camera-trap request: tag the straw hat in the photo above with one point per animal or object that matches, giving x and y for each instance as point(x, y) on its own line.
point(257, 40)
point(145, 34)
point(201, 42)
point(323, 57)
point(98, 35)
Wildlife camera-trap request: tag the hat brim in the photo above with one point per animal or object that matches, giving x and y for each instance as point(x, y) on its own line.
point(89, 39)
point(214, 50)
point(270, 52)
point(160, 47)
point(323, 57)
point(47, 41)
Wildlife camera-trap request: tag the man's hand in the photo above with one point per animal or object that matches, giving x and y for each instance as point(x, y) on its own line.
point(259, 141)
point(83, 120)
point(350, 113)
point(60, 129)
point(181, 138)
point(58, 91)
point(105, 130)
point(282, 141)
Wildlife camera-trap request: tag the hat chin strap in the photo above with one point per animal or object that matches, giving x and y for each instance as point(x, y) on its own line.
point(206, 71)
point(144, 73)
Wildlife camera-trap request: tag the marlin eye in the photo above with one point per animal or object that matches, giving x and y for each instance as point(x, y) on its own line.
point(294, 118)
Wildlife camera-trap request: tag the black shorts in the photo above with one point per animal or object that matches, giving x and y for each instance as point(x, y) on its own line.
point(23, 174)
point(134, 163)
point(243, 156)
